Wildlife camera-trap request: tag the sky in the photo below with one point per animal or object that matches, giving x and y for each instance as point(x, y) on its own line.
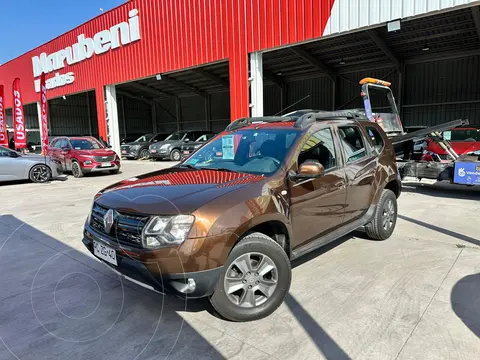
point(26, 24)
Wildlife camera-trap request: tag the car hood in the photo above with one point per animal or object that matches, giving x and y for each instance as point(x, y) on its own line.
point(192, 144)
point(172, 191)
point(160, 143)
point(96, 152)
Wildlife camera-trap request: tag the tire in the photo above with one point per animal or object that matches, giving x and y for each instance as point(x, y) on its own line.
point(385, 218)
point(40, 173)
point(175, 155)
point(114, 172)
point(76, 170)
point(257, 249)
point(144, 154)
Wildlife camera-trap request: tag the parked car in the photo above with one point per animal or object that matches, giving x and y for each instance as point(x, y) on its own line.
point(170, 148)
point(263, 194)
point(138, 149)
point(191, 146)
point(419, 144)
point(463, 140)
point(82, 155)
point(16, 166)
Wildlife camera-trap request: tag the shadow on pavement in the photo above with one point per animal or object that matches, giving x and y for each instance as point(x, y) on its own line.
point(325, 344)
point(59, 303)
point(465, 300)
point(442, 230)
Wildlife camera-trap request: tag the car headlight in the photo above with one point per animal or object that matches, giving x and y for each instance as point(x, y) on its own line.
point(88, 162)
point(164, 231)
point(164, 146)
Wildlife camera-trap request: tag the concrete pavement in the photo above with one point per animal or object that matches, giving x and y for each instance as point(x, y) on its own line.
point(414, 296)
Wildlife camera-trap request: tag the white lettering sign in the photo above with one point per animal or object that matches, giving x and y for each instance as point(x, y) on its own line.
point(102, 42)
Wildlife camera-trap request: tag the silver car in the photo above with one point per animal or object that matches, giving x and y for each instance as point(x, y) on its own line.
point(16, 166)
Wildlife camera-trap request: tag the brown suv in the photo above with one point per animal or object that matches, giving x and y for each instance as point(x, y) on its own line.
point(226, 222)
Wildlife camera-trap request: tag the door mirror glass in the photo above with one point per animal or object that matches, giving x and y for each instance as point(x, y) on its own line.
point(187, 140)
point(310, 170)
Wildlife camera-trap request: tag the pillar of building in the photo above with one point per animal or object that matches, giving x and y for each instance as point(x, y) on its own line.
point(107, 114)
point(256, 83)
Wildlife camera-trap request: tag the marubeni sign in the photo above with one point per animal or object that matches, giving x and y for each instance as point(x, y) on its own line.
point(102, 42)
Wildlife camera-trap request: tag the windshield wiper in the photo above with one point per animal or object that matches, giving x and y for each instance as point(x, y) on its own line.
point(220, 169)
point(188, 166)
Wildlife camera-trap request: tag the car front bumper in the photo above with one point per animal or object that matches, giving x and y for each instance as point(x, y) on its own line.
point(191, 285)
point(99, 168)
point(160, 154)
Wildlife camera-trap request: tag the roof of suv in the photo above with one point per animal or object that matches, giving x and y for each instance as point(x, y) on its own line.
point(300, 120)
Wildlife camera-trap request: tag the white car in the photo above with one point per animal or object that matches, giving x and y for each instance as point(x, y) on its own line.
point(419, 144)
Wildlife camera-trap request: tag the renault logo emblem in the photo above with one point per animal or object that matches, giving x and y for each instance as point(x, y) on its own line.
point(108, 220)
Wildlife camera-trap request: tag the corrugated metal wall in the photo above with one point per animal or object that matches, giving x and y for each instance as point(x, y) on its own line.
point(166, 113)
point(31, 117)
point(220, 111)
point(71, 116)
point(353, 14)
point(441, 91)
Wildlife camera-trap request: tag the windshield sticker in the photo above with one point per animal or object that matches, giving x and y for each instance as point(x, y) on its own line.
point(447, 135)
point(227, 147)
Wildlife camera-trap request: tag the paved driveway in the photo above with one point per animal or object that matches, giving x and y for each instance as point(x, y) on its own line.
point(415, 296)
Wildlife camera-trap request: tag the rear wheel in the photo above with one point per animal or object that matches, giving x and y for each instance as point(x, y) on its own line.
point(385, 218)
point(77, 170)
point(175, 155)
point(256, 278)
point(40, 173)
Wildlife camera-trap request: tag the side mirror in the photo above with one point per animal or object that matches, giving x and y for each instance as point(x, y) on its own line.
point(309, 170)
point(155, 140)
point(187, 140)
point(13, 154)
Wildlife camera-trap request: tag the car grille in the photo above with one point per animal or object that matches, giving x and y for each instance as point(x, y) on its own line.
point(126, 229)
point(126, 148)
point(104, 158)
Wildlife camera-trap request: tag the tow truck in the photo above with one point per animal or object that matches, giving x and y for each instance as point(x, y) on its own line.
point(380, 107)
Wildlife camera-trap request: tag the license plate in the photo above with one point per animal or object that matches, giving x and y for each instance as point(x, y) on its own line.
point(186, 152)
point(124, 151)
point(105, 252)
point(153, 151)
point(105, 164)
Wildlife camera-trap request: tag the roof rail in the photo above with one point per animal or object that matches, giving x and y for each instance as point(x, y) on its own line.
point(313, 117)
point(243, 122)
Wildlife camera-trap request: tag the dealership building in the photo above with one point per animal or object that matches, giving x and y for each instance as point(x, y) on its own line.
point(164, 65)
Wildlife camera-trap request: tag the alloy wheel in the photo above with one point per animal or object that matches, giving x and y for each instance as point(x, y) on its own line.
point(176, 155)
point(40, 173)
point(250, 280)
point(388, 215)
point(144, 153)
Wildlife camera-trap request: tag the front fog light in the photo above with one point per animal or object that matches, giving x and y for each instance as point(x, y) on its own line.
point(161, 231)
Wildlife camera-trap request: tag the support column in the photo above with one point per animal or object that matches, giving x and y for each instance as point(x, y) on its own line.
point(89, 115)
point(179, 112)
point(101, 118)
point(154, 117)
point(239, 86)
point(256, 86)
point(113, 133)
point(208, 111)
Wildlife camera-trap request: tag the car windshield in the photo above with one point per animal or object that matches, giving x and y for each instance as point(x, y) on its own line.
point(252, 151)
point(175, 136)
point(144, 138)
point(85, 144)
point(462, 135)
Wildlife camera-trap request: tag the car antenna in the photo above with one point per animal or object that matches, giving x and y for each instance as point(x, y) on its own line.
point(288, 107)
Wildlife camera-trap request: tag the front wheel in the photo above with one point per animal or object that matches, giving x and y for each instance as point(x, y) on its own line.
point(255, 281)
point(385, 218)
point(175, 155)
point(144, 154)
point(40, 173)
point(77, 170)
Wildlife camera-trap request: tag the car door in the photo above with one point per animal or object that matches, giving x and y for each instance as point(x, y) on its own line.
point(360, 167)
point(67, 153)
point(11, 167)
point(317, 205)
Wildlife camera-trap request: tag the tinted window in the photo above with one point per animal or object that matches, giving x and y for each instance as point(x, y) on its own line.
point(319, 147)
point(462, 135)
point(353, 144)
point(159, 137)
point(4, 151)
point(53, 143)
point(176, 136)
point(253, 151)
point(377, 140)
point(61, 143)
point(85, 144)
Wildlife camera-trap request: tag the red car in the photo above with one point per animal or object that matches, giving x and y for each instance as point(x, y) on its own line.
point(463, 141)
point(82, 155)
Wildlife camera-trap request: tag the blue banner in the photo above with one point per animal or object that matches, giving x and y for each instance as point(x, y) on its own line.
point(467, 173)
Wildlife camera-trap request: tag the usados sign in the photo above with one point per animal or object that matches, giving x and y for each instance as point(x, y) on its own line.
point(123, 33)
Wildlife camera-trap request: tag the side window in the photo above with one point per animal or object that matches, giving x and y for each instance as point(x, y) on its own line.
point(353, 143)
point(53, 143)
point(202, 138)
point(4, 151)
point(377, 140)
point(61, 143)
point(319, 147)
